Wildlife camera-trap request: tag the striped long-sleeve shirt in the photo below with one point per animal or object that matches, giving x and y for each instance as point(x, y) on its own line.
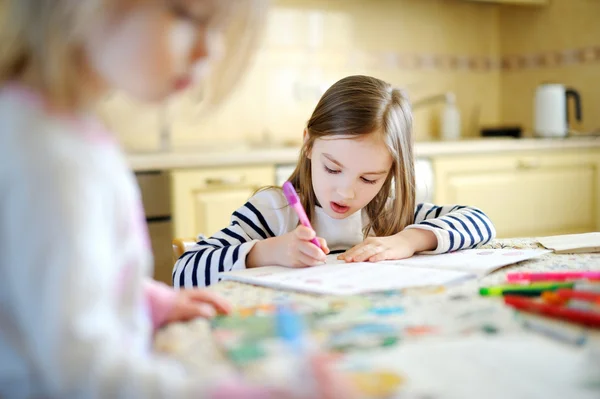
point(267, 215)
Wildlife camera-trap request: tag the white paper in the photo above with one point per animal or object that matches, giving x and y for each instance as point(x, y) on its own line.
point(477, 261)
point(340, 278)
point(572, 243)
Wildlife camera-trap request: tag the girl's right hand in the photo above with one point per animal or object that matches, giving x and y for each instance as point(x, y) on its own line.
point(295, 248)
point(292, 249)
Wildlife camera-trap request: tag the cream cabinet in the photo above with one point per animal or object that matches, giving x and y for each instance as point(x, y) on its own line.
point(515, 2)
point(204, 199)
point(525, 194)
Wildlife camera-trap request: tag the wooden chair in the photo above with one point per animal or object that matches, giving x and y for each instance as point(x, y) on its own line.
point(180, 245)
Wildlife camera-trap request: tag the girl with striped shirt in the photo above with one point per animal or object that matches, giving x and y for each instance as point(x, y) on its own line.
point(355, 179)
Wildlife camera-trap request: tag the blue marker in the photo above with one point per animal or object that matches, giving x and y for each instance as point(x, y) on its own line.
point(290, 328)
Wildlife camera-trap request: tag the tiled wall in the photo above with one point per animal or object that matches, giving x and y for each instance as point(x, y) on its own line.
point(558, 43)
point(492, 56)
point(426, 46)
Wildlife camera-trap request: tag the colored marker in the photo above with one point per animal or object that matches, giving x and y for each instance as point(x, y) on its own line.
point(292, 198)
point(553, 276)
point(290, 328)
point(585, 317)
point(534, 289)
point(561, 333)
point(588, 296)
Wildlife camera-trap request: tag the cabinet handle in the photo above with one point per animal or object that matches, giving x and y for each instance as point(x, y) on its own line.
point(225, 181)
point(528, 163)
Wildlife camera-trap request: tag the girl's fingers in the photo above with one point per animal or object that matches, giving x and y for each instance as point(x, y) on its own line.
point(324, 246)
point(217, 301)
point(304, 233)
point(366, 252)
point(352, 254)
point(384, 255)
point(311, 250)
point(306, 260)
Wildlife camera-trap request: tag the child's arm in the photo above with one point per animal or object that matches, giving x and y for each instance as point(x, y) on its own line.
point(455, 227)
point(437, 229)
point(264, 216)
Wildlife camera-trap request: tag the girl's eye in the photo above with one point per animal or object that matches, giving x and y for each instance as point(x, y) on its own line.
point(332, 171)
point(368, 181)
point(180, 12)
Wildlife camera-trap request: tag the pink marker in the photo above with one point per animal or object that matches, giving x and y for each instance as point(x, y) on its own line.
point(553, 276)
point(292, 198)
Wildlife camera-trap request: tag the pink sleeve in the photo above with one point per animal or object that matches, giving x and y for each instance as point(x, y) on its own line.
point(161, 299)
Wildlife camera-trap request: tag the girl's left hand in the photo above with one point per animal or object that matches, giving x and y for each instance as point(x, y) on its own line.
point(194, 303)
point(399, 246)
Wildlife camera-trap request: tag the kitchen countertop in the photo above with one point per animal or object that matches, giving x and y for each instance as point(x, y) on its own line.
point(254, 155)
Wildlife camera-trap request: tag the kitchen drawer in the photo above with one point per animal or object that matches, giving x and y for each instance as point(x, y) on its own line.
point(223, 178)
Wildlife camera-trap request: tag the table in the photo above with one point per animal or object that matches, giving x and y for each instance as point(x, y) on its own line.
point(417, 343)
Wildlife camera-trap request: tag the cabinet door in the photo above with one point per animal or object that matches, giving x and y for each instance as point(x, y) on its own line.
point(213, 209)
point(526, 195)
point(203, 200)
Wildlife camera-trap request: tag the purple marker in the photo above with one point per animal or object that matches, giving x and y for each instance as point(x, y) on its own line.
point(292, 198)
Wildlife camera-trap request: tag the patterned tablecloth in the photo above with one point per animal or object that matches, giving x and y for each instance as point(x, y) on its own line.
point(405, 343)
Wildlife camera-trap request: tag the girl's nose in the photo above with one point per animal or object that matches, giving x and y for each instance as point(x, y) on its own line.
point(346, 193)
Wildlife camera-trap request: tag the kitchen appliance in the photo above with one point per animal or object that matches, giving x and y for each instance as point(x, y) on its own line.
point(551, 109)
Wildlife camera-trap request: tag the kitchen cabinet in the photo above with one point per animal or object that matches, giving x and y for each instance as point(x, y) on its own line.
point(515, 2)
point(204, 199)
point(527, 193)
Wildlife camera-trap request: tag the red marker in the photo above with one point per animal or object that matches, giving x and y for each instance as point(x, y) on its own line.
point(585, 317)
point(587, 296)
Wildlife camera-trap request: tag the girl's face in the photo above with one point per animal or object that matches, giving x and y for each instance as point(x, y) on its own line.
point(155, 47)
point(348, 172)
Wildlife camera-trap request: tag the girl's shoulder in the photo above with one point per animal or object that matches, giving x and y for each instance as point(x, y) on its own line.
point(269, 197)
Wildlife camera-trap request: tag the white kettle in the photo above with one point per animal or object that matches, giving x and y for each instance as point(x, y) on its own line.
point(551, 110)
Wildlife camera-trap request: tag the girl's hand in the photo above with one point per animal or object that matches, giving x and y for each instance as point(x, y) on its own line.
point(194, 303)
point(399, 246)
point(294, 249)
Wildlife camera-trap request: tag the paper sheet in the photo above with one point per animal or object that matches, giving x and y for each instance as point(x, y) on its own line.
point(476, 261)
point(340, 278)
point(572, 243)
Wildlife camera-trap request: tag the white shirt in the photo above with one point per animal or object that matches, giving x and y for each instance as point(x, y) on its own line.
point(74, 261)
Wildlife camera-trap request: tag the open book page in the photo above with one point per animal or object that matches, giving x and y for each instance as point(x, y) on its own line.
point(340, 278)
point(348, 278)
point(476, 261)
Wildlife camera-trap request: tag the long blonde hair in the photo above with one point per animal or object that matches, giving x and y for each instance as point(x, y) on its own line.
point(41, 40)
point(360, 105)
